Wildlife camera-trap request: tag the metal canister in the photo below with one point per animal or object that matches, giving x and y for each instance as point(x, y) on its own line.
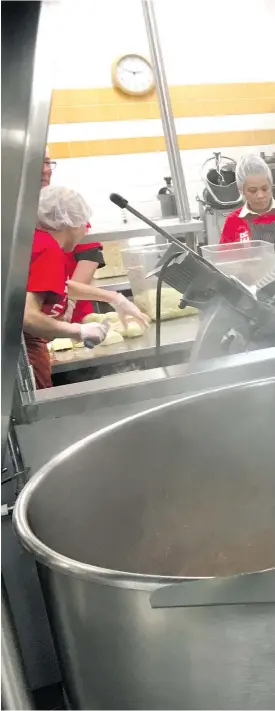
point(167, 199)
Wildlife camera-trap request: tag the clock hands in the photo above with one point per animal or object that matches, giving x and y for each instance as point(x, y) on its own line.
point(138, 71)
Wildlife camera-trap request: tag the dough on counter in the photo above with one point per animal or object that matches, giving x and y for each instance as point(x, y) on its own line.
point(133, 330)
point(111, 338)
point(98, 318)
point(78, 344)
point(60, 344)
point(110, 316)
point(92, 318)
point(170, 299)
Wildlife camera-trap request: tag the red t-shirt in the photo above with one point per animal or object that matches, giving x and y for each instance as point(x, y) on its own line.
point(237, 229)
point(49, 273)
point(93, 252)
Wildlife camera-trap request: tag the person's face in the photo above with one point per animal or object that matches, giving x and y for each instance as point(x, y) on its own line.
point(48, 167)
point(46, 173)
point(258, 193)
point(75, 235)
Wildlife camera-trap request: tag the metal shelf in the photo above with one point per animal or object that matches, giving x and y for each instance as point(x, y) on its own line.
point(128, 231)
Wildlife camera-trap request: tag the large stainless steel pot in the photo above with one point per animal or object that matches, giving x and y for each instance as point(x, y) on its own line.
point(186, 489)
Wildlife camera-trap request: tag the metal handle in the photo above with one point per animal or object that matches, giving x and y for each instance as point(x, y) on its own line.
point(250, 589)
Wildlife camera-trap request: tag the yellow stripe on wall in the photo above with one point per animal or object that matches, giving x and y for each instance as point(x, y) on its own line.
point(110, 104)
point(121, 146)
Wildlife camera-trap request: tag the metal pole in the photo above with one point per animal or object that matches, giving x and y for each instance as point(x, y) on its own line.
point(166, 111)
point(14, 692)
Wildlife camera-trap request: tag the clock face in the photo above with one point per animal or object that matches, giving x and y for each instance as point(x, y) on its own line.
point(134, 75)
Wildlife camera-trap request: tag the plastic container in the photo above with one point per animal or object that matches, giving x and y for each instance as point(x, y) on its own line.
point(140, 261)
point(113, 260)
point(248, 261)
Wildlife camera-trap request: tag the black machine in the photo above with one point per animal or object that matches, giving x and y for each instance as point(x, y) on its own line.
point(233, 319)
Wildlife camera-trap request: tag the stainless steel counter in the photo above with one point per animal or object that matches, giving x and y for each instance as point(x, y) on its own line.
point(120, 283)
point(176, 335)
point(64, 420)
point(139, 229)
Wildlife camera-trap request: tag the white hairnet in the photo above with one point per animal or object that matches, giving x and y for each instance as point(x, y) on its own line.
point(251, 165)
point(61, 207)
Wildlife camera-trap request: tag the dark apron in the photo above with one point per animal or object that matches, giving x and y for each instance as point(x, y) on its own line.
point(262, 231)
point(40, 360)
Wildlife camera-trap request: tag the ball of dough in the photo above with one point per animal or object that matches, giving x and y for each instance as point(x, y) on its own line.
point(110, 316)
point(78, 344)
point(111, 338)
point(170, 299)
point(92, 318)
point(133, 329)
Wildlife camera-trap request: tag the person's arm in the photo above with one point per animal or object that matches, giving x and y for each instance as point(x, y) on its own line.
point(86, 292)
point(123, 307)
point(42, 326)
point(87, 258)
point(84, 272)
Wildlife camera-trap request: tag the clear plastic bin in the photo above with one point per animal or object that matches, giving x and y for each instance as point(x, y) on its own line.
point(248, 261)
point(140, 261)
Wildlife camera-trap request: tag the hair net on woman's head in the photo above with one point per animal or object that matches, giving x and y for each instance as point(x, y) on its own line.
point(248, 166)
point(61, 207)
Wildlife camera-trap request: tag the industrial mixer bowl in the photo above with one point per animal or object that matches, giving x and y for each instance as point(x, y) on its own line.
point(186, 490)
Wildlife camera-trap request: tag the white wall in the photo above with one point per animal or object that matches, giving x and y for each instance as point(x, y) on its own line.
point(137, 177)
point(204, 41)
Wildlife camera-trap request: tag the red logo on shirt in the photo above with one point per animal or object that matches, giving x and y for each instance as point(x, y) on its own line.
point(244, 236)
point(59, 309)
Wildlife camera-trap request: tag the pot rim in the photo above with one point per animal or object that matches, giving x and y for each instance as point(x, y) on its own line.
point(56, 561)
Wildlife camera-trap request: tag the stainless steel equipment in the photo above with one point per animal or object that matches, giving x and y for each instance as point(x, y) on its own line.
point(185, 490)
point(26, 95)
point(220, 181)
point(14, 694)
point(167, 199)
point(213, 219)
point(233, 318)
point(220, 195)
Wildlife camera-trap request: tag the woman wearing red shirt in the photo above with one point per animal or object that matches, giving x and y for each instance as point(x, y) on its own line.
point(83, 261)
point(256, 219)
point(62, 220)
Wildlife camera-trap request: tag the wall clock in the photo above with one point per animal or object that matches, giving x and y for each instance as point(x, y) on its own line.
point(133, 74)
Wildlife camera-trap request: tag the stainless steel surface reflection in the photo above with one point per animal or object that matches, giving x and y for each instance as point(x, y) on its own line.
point(14, 693)
point(186, 490)
point(26, 97)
